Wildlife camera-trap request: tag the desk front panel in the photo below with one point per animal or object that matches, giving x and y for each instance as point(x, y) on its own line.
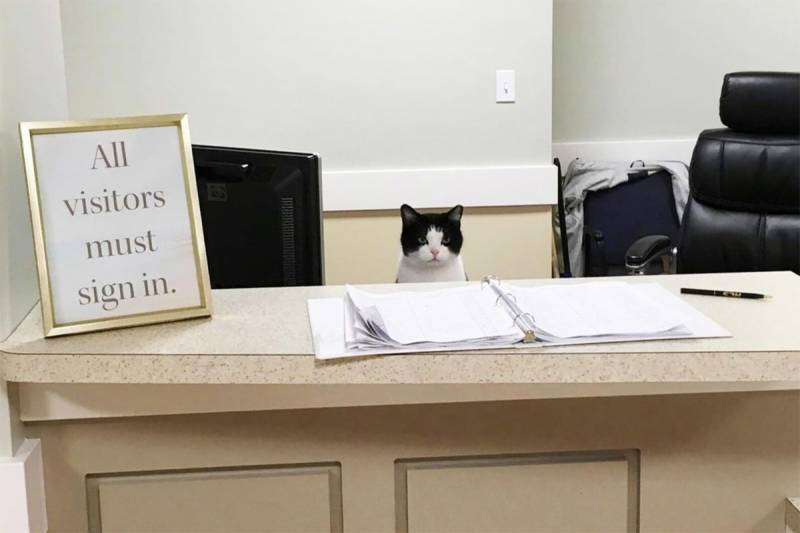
point(704, 462)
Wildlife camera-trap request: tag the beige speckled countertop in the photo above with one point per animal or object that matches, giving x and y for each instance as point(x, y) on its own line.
point(262, 336)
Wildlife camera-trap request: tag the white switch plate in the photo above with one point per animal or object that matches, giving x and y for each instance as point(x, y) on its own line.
point(506, 90)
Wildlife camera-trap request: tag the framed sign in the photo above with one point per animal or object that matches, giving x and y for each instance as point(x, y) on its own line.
point(116, 222)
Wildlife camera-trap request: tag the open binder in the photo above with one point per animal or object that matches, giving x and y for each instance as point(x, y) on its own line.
point(493, 314)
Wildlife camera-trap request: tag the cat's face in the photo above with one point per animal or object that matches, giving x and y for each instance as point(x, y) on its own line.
point(431, 239)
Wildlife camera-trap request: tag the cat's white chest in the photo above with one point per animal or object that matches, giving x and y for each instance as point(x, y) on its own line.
point(413, 272)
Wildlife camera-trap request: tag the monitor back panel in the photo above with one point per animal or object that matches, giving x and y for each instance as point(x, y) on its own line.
point(261, 216)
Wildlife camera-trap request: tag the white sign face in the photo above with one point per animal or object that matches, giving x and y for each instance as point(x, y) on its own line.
point(117, 226)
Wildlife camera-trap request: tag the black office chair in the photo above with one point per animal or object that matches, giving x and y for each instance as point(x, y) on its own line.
point(743, 212)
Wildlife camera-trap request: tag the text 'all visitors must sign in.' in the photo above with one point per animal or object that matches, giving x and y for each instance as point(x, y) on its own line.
point(116, 222)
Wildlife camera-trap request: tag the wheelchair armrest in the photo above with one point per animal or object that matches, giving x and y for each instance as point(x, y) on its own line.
point(645, 249)
point(594, 252)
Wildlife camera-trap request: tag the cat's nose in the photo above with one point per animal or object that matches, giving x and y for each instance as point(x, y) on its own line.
point(435, 251)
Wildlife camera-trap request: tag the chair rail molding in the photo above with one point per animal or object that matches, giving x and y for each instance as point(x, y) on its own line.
point(626, 150)
point(372, 190)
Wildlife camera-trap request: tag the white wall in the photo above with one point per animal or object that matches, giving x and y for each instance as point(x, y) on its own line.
point(368, 84)
point(652, 69)
point(32, 87)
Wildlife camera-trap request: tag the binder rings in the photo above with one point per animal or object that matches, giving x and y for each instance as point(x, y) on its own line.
point(522, 319)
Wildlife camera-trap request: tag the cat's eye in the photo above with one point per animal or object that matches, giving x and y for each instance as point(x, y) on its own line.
point(422, 240)
point(446, 241)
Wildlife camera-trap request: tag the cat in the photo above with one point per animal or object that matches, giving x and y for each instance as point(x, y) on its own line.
point(431, 246)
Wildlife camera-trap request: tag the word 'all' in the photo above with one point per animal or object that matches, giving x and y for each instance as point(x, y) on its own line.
point(119, 155)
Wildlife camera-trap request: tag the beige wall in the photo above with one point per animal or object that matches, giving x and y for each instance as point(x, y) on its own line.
point(509, 242)
point(366, 84)
point(32, 87)
point(652, 69)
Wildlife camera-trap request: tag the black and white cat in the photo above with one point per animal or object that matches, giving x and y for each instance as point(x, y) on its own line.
point(431, 246)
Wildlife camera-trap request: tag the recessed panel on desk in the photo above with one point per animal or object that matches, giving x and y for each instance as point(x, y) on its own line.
point(582, 491)
point(269, 499)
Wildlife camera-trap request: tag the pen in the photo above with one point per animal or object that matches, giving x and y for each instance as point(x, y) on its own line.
point(729, 294)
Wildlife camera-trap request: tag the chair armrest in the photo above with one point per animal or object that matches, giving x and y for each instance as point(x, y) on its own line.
point(645, 249)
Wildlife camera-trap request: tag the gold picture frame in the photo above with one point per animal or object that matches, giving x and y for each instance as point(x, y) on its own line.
point(28, 133)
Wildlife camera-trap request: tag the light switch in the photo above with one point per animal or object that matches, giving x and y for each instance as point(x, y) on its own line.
point(506, 90)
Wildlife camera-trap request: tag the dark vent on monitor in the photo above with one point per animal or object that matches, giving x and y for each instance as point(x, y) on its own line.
point(287, 241)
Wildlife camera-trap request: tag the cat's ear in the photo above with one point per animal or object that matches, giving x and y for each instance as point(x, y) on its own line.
point(454, 215)
point(408, 214)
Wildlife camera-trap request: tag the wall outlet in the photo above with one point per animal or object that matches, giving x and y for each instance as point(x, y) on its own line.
point(506, 86)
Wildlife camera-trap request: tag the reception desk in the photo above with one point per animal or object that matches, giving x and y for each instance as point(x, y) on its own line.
point(230, 424)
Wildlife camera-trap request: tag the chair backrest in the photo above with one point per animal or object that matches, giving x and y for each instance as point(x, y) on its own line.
point(644, 205)
point(743, 212)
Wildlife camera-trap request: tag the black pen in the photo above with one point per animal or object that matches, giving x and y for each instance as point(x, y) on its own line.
point(728, 294)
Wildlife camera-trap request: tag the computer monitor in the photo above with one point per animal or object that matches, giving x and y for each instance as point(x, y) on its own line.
point(261, 216)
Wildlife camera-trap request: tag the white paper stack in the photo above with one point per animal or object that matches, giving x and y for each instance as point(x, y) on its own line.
point(426, 320)
point(474, 317)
